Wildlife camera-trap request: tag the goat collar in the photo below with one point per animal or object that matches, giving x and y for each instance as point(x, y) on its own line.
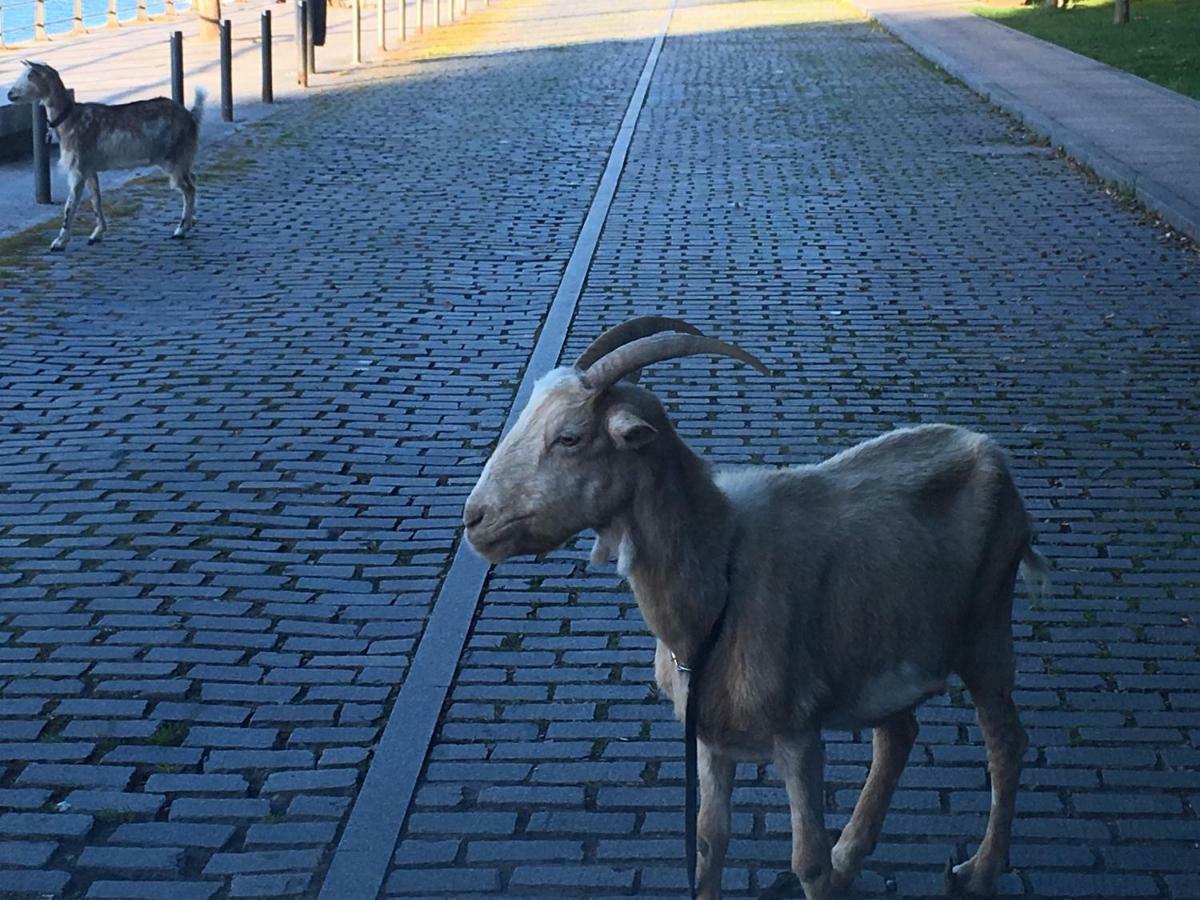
point(695, 672)
point(64, 115)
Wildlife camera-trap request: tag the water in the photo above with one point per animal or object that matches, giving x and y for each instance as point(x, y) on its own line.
point(16, 16)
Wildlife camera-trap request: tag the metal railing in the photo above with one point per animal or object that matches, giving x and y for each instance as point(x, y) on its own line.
point(39, 20)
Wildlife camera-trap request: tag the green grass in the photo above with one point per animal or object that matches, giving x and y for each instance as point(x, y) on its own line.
point(1161, 43)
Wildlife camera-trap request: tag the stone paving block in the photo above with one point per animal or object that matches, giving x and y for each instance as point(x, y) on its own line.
point(196, 784)
point(261, 861)
point(318, 807)
point(457, 881)
point(297, 834)
point(37, 882)
point(22, 798)
point(310, 780)
point(233, 760)
point(47, 824)
point(47, 774)
point(30, 854)
point(174, 834)
point(73, 751)
point(208, 809)
point(151, 890)
point(289, 884)
point(92, 801)
point(157, 860)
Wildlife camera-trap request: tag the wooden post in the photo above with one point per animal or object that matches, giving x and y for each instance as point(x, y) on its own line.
point(381, 23)
point(111, 19)
point(77, 18)
point(1121, 12)
point(39, 20)
point(209, 12)
point(142, 15)
point(356, 35)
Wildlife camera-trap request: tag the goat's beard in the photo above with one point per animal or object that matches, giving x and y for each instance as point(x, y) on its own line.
point(514, 540)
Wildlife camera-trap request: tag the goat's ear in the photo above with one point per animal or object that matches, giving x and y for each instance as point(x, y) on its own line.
point(628, 431)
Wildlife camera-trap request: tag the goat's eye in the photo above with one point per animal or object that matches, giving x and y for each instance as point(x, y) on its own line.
point(567, 440)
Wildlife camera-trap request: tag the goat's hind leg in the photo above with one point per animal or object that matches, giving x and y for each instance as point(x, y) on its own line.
point(75, 182)
point(892, 742)
point(716, 787)
point(101, 225)
point(184, 182)
point(989, 676)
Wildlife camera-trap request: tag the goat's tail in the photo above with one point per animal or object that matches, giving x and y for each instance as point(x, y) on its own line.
point(1036, 572)
point(197, 109)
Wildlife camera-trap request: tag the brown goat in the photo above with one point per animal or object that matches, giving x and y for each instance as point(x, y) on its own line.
point(851, 589)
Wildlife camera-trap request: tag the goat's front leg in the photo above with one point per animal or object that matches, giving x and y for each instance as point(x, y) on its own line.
point(801, 760)
point(716, 786)
point(892, 743)
point(75, 193)
point(101, 224)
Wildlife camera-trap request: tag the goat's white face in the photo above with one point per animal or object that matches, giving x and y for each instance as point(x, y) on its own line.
point(568, 464)
point(23, 90)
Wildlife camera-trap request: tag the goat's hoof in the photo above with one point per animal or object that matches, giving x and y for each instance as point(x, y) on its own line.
point(93, 240)
point(57, 247)
point(951, 883)
point(840, 881)
point(786, 884)
point(964, 882)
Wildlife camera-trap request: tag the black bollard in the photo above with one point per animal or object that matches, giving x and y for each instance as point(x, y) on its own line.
point(226, 71)
point(41, 156)
point(268, 87)
point(177, 66)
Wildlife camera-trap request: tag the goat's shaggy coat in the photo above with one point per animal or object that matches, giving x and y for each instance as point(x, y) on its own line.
point(854, 588)
point(96, 137)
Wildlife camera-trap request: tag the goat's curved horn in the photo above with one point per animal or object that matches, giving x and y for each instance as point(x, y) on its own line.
point(614, 366)
point(618, 335)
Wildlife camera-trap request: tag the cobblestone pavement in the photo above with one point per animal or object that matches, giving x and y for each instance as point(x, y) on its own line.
point(898, 252)
point(232, 468)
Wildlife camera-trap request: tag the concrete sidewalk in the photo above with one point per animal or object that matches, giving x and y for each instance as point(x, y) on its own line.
point(1125, 128)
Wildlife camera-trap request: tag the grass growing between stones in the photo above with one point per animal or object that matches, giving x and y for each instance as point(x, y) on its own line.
point(1159, 43)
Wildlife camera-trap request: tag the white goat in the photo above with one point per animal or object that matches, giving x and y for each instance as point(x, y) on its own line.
point(96, 137)
point(850, 589)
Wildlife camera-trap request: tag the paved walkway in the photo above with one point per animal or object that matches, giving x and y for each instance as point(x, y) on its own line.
point(233, 468)
point(1125, 128)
